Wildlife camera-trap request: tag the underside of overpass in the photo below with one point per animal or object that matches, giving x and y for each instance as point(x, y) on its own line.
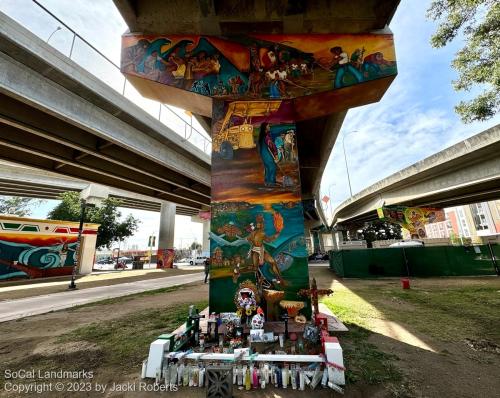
point(315, 135)
point(467, 172)
point(57, 117)
point(23, 181)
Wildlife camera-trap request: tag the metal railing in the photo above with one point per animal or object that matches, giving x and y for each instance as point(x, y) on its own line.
point(40, 21)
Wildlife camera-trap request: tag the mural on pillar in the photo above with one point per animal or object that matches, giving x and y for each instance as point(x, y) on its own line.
point(34, 248)
point(412, 219)
point(257, 226)
point(259, 66)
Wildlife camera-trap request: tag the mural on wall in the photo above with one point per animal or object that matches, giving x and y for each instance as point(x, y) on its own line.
point(34, 248)
point(165, 258)
point(257, 226)
point(412, 219)
point(259, 66)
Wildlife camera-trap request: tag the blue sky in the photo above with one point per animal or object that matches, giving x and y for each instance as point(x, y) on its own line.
point(413, 120)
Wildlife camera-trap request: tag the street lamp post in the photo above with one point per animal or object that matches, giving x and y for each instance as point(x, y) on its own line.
point(330, 201)
point(345, 159)
point(56, 30)
point(83, 207)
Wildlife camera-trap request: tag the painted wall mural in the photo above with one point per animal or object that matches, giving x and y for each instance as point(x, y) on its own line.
point(257, 226)
point(259, 66)
point(165, 258)
point(38, 248)
point(412, 219)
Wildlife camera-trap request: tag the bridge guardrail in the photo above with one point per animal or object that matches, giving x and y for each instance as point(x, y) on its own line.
point(44, 24)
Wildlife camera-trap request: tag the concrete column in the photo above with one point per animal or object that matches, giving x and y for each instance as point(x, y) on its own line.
point(338, 238)
point(206, 236)
point(257, 226)
point(316, 241)
point(205, 240)
point(167, 226)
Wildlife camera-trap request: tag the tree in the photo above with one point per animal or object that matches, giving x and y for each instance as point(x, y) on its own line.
point(196, 246)
point(478, 61)
point(111, 229)
point(380, 230)
point(18, 206)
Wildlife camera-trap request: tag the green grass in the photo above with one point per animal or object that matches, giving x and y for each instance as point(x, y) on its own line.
point(129, 297)
point(445, 314)
point(364, 362)
point(441, 313)
point(124, 342)
point(119, 344)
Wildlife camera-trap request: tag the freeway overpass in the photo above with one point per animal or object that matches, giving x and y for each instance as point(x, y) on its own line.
point(467, 172)
point(19, 180)
point(317, 130)
point(58, 117)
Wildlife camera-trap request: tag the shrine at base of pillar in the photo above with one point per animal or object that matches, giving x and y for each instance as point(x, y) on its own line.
point(264, 325)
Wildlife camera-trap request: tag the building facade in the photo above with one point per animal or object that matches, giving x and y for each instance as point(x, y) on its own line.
point(469, 221)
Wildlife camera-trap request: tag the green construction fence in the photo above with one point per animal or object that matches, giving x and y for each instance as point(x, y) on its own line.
point(416, 261)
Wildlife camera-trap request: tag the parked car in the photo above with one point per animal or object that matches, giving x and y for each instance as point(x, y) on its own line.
point(319, 257)
point(199, 260)
point(408, 243)
point(105, 261)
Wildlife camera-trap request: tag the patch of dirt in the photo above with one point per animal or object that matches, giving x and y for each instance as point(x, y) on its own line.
point(482, 345)
point(21, 338)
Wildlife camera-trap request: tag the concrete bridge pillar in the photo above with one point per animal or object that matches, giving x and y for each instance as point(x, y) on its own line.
point(257, 226)
point(205, 241)
point(261, 91)
point(206, 236)
point(167, 226)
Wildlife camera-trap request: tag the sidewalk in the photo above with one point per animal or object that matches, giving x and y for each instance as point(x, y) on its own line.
point(15, 309)
point(11, 290)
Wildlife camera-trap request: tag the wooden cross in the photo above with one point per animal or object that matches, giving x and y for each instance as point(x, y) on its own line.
point(313, 293)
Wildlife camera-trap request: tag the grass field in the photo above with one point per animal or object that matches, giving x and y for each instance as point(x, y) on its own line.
point(447, 321)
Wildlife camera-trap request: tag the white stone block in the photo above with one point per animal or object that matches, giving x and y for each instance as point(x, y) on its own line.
point(155, 358)
point(333, 352)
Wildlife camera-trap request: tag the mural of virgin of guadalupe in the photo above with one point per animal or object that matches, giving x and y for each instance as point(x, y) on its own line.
point(268, 153)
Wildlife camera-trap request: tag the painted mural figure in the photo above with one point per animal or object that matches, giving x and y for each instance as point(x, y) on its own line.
point(289, 146)
point(134, 55)
point(258, 252)
point(280, 145)
point(375, 63)
point(63, 254)
point(268, 153)
point(341, 65)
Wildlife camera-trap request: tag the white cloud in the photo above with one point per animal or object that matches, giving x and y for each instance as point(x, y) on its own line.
point(414, 119)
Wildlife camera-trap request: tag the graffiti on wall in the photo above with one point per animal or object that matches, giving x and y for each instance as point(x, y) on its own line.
point(257, 226)
point(259, 66)
point(412, 219)
point(34, 249)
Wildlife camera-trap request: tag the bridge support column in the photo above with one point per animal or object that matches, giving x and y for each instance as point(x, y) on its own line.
point(206, 236)
point(205, 241)
point(338, 238)
point(257, 226)
point(167, 226)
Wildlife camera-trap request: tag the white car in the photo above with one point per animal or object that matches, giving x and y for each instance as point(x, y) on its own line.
point(199, 260)
point(408, 243)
